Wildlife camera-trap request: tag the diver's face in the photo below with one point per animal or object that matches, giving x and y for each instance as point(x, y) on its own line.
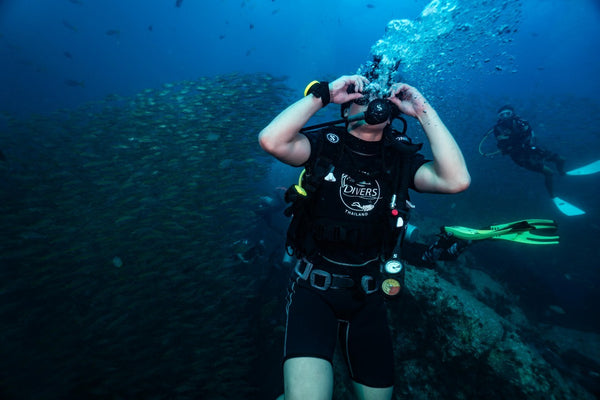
point(505, 115)
point(356, 108)
point(505, 118)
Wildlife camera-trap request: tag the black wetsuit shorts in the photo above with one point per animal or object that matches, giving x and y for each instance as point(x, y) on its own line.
point(534, 159)
point(317, 318)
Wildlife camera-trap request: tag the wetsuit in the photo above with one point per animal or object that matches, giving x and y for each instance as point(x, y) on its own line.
point(515, 137)
point(334, 292)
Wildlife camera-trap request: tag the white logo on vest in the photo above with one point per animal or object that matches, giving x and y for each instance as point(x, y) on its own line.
point(332, 137)
point(359, 197)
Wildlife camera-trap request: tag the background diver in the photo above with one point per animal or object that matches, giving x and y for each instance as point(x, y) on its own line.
point(452, 241)
point(515, 137)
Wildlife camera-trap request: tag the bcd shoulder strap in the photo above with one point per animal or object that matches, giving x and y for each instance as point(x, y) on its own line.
point(402, 150)
point(328, 152)
point(299, 241)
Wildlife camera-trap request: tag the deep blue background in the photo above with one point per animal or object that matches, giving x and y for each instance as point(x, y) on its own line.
point(555, 50)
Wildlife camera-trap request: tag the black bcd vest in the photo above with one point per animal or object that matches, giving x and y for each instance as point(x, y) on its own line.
point(303, 229)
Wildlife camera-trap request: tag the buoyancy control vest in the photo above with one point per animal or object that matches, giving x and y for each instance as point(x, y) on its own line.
point(384, 233)
point(514, 136)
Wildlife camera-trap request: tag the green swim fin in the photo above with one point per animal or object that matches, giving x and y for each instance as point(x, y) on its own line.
point(462, 232)
point(528, 231)
point(528, 237)
point(523, 231)
point(527, 224)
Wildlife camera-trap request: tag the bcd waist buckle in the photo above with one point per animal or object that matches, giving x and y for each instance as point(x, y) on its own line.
point(323, 280)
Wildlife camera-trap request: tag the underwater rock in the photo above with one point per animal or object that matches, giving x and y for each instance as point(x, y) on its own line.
point(450, 344)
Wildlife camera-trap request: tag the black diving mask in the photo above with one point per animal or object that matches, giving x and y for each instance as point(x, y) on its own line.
point(362, 101)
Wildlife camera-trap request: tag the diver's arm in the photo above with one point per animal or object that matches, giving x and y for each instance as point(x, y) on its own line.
point(447, 173)
point(529, 135)
point(281, 138)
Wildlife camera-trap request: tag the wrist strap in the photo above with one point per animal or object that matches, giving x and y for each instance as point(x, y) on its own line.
point(319, 90)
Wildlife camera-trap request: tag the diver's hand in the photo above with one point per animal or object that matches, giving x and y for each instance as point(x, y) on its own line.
point(338, 89)
point(408, 99)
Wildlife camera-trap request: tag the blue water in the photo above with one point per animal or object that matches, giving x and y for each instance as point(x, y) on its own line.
point(555, 50)
point(63, 53)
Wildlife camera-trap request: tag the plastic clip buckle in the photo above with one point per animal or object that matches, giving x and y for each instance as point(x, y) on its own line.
point(319, 273)
point(307, 269)
point(365, 281)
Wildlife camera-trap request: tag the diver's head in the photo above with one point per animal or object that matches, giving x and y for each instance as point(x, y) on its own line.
point(506, 112)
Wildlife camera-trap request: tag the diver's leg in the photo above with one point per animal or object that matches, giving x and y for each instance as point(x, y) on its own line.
point(367, 346)
point(549, 156)
point(560, 164)
point(368, 393)
point(309, 345)
point(548, 180)
point(308, 378)
point(364, 392)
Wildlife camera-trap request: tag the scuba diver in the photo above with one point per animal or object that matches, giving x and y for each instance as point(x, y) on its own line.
point(349, 212)
point(270, 208)
point(445, 247)
point(452, 241)
point(260, 244)
point(247, 251)
point(515, 137)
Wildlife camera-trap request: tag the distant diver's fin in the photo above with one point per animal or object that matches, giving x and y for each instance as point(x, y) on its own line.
point(587, 169)
point(523, 231)
point(567, 208)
